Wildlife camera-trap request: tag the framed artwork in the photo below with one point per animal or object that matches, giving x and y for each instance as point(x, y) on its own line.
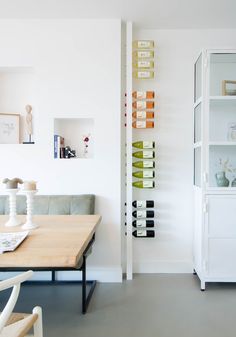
point(9, 128)
point(228, 88)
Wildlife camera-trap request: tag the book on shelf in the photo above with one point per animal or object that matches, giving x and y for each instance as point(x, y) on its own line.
point(59, 145)
point(10, 241)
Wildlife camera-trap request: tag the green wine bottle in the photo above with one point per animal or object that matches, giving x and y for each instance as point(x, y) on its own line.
point(144, 184)
point(144, 154)
point(144, 164)
point(144, 145)
point(144, 174)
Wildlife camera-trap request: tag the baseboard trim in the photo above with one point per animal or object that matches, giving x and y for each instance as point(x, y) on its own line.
point(152, 267)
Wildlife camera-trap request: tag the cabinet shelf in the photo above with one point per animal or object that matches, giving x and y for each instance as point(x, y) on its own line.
point(222, 98)
point(226, 143)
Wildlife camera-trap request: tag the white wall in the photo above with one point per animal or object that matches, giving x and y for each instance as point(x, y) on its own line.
point(176, 50)
point(76, 67)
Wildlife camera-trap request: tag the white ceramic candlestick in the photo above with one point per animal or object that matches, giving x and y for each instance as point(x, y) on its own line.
point(13, 221)
point(30, 204)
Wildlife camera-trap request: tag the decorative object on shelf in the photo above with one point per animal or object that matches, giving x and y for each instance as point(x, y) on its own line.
point(12, 183)
point(69, 153)
point(232, 132)
point(233, 184)
point(29, 124)
point(221, 179)
point(59, 147)
point(228, 88)
point(30, 206)
point(9, 128)
point(86, 139)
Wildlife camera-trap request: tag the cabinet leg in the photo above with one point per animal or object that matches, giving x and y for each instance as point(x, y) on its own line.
point(203, 286)
point(194, 272)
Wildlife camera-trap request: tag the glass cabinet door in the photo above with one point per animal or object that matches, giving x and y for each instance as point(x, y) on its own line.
point(198, 79)
point(222, 120)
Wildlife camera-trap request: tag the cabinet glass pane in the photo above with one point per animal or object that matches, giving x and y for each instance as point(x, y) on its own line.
point(198, 79)
point(222, 120)
point(197, 123)
point(197, 166)
point(222, 68)
point(222, 166)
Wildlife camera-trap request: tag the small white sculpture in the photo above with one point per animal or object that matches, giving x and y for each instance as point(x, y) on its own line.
point(29, 127)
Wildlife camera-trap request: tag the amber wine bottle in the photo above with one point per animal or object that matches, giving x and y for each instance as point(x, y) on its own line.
point(143, 94)
point(147, 154)
point(143, 124)
point(143, 54)
point(143, 203)
point(143, 114)
point(143, 44)
point(144, 164)
point(141, 223)
point(143, 214)
point(143, 233)
point(144, 144)
point(144, 184)
point(142, 64)
point(140, 105)
point(143, 74)
point(144, 174)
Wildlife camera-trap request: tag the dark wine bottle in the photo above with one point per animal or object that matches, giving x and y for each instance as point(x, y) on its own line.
point(143, 223)
point(143, 203)
point(143, 214)
point(142, 233)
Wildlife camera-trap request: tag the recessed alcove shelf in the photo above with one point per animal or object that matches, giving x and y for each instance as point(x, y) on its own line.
point(16, 91)
point(74, 131)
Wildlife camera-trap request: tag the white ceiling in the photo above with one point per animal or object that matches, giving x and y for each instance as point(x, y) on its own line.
point(156, 14)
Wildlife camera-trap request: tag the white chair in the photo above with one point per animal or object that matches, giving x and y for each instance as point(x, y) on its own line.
point(16, 324)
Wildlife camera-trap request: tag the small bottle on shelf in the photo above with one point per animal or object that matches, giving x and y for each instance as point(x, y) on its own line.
point(142, 233)
point(143, 44)
point(144, 144)
point(143, 105)
point(143, 94)
point(144, 184)
point(147, 154)
point(144, 174)
point(144, 164)
point(143, 54)
point(143, 223)
point(143, 214)
point(143, 114)
point(143, 74)
point(142, 64)
point(143, 203)
point(143, 124)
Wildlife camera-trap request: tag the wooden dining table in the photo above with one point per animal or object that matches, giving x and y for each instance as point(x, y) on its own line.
point(60, 242)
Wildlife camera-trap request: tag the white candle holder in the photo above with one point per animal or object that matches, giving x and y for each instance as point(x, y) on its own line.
point(30, 206)
point(13, 221)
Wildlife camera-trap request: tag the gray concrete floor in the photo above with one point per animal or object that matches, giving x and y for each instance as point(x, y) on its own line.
point(161, 305)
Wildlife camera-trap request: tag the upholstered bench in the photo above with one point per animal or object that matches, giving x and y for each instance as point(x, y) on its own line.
point(53, 204)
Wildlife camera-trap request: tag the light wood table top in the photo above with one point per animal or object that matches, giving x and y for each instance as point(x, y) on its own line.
point(58, 242)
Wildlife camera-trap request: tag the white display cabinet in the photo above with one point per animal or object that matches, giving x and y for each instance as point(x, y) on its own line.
point(215, 166)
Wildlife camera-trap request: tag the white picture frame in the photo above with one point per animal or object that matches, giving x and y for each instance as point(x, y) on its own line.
point(9, 128)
